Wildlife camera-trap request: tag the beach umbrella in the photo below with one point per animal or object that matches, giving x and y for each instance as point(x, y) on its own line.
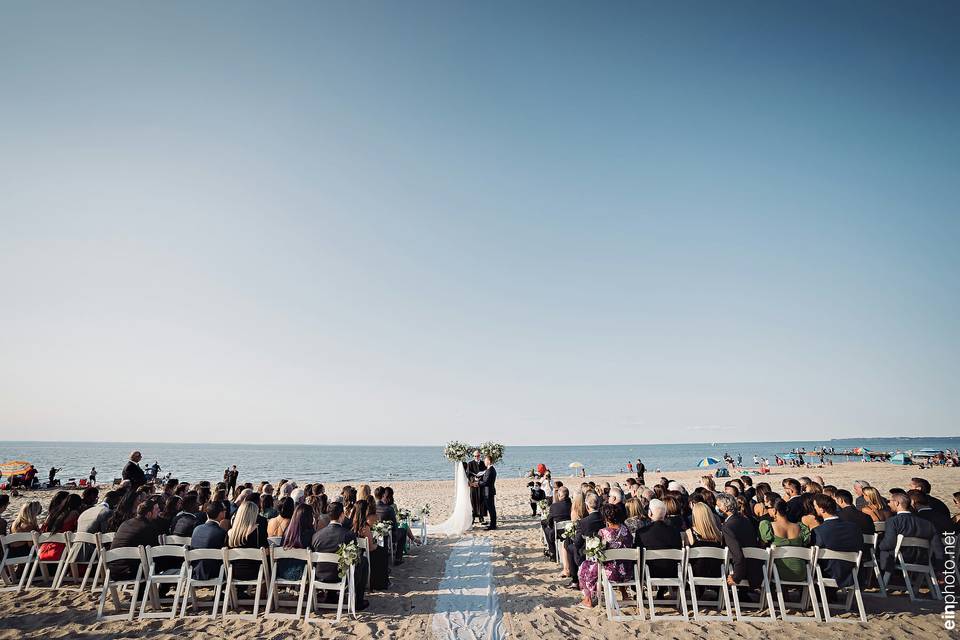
point(575, 465)
point(14, 467)
point(708, 462)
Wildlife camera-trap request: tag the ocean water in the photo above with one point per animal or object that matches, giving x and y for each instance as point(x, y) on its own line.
point(322, 463)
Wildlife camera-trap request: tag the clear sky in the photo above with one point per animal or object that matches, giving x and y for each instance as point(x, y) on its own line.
point(535, 222)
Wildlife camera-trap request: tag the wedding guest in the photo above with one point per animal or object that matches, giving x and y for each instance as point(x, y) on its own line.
point(659, 534)
point(62, 517)
point(791, 492)
point(614, 535)
point(171, 507)
point(905, 523)
point(635, 518)
point(858, 486)
point(920, 502)
point(88, 498)
point(297, 536)
point(874, 505)
point(187, 518)
point(578, 508)
point(836, 535)
point(558, 511)
point(139, 530)
point(328, 540)
point(809, 516)
point(851, 514)
point(246, 534)
point(278, 525)
point(708, 483)
point(379, 561)
point(25, 522)
point(587, 526)
point(267, 509)
point(209, 535)
point(125, 509)
point(783, 533)
point(703, 532)
point(956, 502)
point(4, 503)
point(923, 486)
point(132, 472)
point(737, 534)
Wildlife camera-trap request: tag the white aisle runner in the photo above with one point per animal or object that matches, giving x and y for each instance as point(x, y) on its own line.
point(467, 607)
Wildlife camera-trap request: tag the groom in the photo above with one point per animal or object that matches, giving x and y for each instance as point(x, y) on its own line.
point(487, 482)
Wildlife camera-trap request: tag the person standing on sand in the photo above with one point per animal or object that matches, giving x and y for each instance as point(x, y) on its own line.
point(488, 484)
point(93, 477)
point(232, 478)
point(132, 471)
point(640, 471)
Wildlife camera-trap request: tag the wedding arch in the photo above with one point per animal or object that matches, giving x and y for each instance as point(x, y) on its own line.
point(461, 520)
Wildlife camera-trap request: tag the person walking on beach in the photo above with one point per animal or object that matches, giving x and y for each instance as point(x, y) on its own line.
point(132, 471)
point(640, 471)
point(93, 477)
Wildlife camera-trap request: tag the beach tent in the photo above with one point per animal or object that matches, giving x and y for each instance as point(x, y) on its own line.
point(901, 459)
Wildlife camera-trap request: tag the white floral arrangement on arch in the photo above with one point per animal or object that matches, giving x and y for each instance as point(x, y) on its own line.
point(457, 451)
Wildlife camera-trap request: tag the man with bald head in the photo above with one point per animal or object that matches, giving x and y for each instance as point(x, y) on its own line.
point(132, 471)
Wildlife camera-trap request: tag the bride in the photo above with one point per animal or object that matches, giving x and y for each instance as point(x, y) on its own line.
point(461, 520)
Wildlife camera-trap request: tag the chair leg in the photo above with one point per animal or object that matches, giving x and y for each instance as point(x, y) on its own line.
point(149, 592)
point(133, 598)
point(934, 587)
point(909, 583)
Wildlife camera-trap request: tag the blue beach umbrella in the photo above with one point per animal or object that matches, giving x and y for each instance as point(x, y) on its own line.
point(708, 462)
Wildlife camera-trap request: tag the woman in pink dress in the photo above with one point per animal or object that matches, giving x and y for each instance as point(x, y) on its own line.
point(615, 535)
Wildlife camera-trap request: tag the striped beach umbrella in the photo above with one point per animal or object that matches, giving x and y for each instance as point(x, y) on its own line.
point(708, 462)
point(14, 467)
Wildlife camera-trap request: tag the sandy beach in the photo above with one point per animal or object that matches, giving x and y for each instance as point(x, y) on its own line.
point(533, 600)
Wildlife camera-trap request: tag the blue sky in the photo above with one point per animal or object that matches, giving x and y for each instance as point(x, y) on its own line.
point(531, 222)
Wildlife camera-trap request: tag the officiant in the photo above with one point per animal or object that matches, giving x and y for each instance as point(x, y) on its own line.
point(475, 469)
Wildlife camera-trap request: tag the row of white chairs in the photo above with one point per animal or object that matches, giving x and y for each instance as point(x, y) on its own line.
point(772, 583)
point(143, 588)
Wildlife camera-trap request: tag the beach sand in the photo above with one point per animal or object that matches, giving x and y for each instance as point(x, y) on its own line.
point(534, 601)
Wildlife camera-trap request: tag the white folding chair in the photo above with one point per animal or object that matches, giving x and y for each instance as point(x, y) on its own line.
point(606, 587)
point(558, 527)
point(103, 543)
point(925, 571)
point(853, 591)
point(679, 583)
point(344, 586)
point(766, 593)
point(176, 577)
point(273, 590)
point(423, 529)
point(872, 563)
point(230, 599)
point(192, 584)
point(9, 564)
point(177, 540)
point(58, 564)
point(79, 542)
point(880, 526)
point(115, 587)
point(718, 582)
point(808, 596)
point(275, 541)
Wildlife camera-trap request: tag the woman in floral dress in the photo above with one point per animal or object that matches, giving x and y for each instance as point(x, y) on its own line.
point(614, 536)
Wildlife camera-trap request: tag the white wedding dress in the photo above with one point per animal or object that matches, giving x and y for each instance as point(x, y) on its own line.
point(461, 520)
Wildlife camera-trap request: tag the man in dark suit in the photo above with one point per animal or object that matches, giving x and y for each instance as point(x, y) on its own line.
point(851, 514)
point(905, 523)
point(922, 485)
point(659, 534)
point(387, 512)
point(475, 469)
point(587, 526)
point(328, 540)
point(488, 484)
point(836, 535)
point(738, 532)
point(923, 509)
point(209, 535)
point(791, 492)
point(139, 530)
point(232, 479)
point(559, 511)
point(132, 471)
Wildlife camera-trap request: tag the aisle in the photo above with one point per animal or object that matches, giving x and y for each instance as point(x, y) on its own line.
point(467, 606)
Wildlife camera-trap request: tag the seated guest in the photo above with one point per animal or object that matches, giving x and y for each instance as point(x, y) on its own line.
point(874, 505)
point(25, 522)
point(379, 566)
point(139, 530)
point(614, 536)
point(209, 535)
point(809, 516)
point(246, 534)
point(791, 492)
point(659, 535)
point(170, 509)
point(703, 532)
point(187, 519)
point(739, 533)
point(88, 498)
point(587, 526)
point(278, 525)
point(635, 518)
point(267, 509)
point(63, 517)
point(851, 514)
point(328, 540)
point(299, 535)
point(923, 486)
point(858, 486)
point(920, 502)
point(783, 533)
point(616, 498)
point(760, 506)
point(559, 511)
point(905, 523)
point(748, 490)
point(673, 517)
point(4, 503)
point(95, 519)
point(836, 535)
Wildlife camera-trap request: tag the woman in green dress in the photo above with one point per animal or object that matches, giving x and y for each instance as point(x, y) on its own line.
point(783, 533)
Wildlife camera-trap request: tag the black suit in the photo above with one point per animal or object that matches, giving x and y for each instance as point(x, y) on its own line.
point(558, 512)
point(327, 540)
point(910, 526)
point(134, 532)
point(838, 535)
point(474, 469)
point(133, 473)
point(859, 518)
point(209, 535)
point(937, 505)
point(738, 532)
point(794, 509)
point(659, 535)
point(575, 548)
point(939, 521)
point(488, 484)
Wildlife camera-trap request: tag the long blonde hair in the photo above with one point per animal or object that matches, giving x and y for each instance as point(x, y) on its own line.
point(244, 523)
point(26, 520)
point(872, 497)
point(363, 492)
point(704, 523)
point(579, 507)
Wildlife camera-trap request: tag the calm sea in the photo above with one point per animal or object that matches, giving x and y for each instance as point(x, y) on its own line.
point(192, 462)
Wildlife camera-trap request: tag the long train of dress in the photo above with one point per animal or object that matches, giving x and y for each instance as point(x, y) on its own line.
point(461, 520)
